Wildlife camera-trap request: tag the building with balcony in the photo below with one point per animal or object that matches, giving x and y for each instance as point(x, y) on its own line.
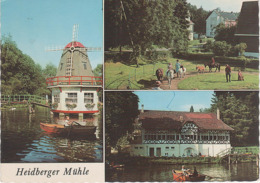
point(74, 88)
point(179, 134)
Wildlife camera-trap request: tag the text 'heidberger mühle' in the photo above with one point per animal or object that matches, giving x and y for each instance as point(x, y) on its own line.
point(49, 173)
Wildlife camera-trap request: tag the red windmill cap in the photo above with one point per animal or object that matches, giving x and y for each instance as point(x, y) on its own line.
point(75, 44)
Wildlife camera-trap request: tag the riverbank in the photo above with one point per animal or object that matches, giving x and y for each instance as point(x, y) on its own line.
point(13, 106)
point(136, 161)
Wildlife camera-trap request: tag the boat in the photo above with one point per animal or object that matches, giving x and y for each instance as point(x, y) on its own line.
point(68, 130)
point(179, 176)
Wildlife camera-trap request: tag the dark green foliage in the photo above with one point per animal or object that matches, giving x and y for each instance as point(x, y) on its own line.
point(224, 33)
point(241, 48)
point(191, 109)
point(240, 111)
point(121, 112)
point(143, 23)
point(221, 48)
point(20, 75)
point(198, 17)
point(208, 46)
point(50, 70)
point(98, 71)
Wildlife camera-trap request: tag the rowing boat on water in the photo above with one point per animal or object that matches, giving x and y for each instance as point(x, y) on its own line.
point(179, 176)
point(68, 130)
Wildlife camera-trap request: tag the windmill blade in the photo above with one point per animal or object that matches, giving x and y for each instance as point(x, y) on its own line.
point(92, 49)
point(75, 31)
point(54, 48)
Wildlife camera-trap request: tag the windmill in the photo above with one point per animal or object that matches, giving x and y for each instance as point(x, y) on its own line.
point(69, 64)
point(75, 88)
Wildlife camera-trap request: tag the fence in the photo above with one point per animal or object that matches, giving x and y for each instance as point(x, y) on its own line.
point(24, 99)
point(134, 75)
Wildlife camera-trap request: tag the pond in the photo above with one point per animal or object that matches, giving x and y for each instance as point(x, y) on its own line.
point(162, 173)
point(24, 141)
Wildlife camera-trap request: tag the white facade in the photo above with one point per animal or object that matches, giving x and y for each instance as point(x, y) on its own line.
point(75, 95)
point(177, 150)
point(212, 21)
point(189, 141)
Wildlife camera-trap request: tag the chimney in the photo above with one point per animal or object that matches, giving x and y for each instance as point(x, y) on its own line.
point(181, 118)
point(142, 109)
point(218, 114)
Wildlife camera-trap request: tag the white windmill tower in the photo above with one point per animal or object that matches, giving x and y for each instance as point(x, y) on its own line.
point(75, 88)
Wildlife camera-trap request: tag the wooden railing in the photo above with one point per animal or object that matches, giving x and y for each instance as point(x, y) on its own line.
point(24, 99)
point(74, 80)
point(239, 150)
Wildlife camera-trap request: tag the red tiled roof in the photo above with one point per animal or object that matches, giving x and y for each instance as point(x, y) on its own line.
point(175, 120)
point(75, 44)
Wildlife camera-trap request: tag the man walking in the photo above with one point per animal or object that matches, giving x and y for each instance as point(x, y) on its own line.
point(228, 73)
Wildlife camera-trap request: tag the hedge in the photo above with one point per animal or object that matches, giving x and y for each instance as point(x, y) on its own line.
point(201, 57)
point(232, 61)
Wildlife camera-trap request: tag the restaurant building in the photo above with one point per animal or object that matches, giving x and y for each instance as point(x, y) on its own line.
point(179, 134)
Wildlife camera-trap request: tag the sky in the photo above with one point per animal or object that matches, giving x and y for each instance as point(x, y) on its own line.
point(224, 5)
point(174, 100)
point(39, 24)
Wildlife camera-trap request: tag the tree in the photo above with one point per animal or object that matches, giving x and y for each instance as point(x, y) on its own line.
point(240, 111)
point(226, 34)
point(121, 112)
point(98, 71)
point(209, 45)
point(50, 70)
point(241, 48)
point(198, 17)
point(191, 109)
point(142, 23)
point(20, 74)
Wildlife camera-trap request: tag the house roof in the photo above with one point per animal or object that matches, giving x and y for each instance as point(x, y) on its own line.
point(248, 20)
point(75, 44)
point(175, 120)
point(226, 15)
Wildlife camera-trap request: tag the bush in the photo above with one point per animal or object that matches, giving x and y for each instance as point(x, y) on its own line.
point(208, 46)
point(241, 48)
point(221, 48)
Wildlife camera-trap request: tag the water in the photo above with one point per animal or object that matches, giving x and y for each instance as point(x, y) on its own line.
point(24, 141)
point(162, 173)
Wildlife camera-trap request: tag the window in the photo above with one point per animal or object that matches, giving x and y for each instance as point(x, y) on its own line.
point(163, 137)
point(145, 137)
point(72, 98)
point(136, 147)
point(85, 66)
point(56, 98)
point(166, 154)
point(172, 147)
point(61, 66)
point(159, 137)
point(167, 148)
point(141, 147)
point(88, 98)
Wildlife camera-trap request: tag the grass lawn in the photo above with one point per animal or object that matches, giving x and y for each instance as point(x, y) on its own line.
point(217, 81)
point(120, 76)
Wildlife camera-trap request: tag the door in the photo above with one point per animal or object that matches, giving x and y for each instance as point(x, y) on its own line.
point(158, 151)
point(151, 151)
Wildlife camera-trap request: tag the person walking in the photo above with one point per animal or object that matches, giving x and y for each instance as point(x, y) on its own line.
point(177, 66)
point(228, 73)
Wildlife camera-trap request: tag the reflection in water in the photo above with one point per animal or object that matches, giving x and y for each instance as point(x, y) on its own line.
point(24, 141)
point(162, 173)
